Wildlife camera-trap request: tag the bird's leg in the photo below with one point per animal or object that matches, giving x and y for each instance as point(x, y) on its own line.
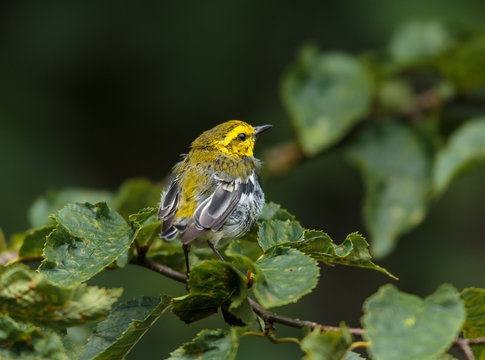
point(215, 250)
point(186, 248)
point(186, 253)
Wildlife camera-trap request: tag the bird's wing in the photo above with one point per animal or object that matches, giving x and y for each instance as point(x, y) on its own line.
point(213, 211)
point(168, 206)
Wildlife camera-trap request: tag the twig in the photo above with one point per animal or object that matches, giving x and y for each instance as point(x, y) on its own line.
point(271, 317)
point(464, 345)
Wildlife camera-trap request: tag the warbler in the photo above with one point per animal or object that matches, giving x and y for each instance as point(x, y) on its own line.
point(215, 194)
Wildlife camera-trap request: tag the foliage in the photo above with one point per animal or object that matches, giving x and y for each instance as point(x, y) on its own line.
point(387, 118)
point(389, 113)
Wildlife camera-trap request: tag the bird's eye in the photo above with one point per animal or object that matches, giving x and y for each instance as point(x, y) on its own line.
point(241, 137)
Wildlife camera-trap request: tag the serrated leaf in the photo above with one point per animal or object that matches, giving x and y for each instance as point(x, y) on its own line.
point(474, 326)
point(419, 41)
point(465, 148)
point(87, 239)
point(396, 171)
point(272, 211)
point(26, 342)
point(136, 194)
point(27, 296)
point(115, 336)
point(277, 232)
point(53, 201)
point(283, 276)
point(465, 65)
point(328, 345)
point(353, 356)
point(147, 222)
point(401, 326)
point(210, 344)
point(352, 252)
point(212, 283)
point(34, 240)
point(325, 95)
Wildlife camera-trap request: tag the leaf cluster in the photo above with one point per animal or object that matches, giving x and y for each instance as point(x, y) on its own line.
point(391, 107)
point(409, 117)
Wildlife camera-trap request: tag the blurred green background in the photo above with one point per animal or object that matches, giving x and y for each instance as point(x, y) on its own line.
point(93, 93)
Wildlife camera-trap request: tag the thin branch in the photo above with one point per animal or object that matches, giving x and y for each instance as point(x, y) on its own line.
point(271, 317)
point(464, 346)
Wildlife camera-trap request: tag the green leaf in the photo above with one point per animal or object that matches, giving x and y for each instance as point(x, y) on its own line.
point(352, 252)
point(26, 342)
point(465, 149)
point(465, 65)
point(34, 240)
point(136, 194)
point(474, 325)
point(419, 41)
point(125, 325)
point(147, 222)
point(325, 95)
point(402, 326)
point(210, 344)
point(53, 201)
point(212, 283)
point(328, 345)
point(88, 238)
point(276, 232)
point(352, 356)
point(244, 247)
point(283, 276)
point(396, 171)
point(272, 211)
point(27, 296)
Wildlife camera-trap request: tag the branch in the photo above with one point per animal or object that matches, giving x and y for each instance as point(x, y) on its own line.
point(271, 317)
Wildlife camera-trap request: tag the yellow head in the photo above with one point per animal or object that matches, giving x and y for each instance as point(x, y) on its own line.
point(232, 137)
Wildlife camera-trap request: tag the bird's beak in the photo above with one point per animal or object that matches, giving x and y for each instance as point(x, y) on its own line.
point(259, 129)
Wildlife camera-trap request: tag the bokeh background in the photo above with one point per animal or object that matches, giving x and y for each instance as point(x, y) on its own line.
point(95, 92)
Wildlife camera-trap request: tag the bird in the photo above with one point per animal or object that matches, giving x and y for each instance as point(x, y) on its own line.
point(215, 194)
